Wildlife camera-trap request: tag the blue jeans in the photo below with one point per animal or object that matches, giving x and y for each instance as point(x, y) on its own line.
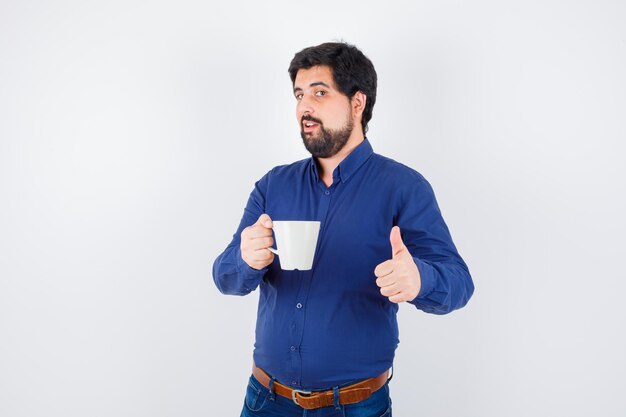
point(260, 402)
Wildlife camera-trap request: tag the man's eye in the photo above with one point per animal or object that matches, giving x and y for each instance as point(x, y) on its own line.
point(298, 96)
point(320, 93)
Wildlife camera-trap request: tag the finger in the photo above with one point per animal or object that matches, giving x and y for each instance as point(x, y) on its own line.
point(264, 220)
point(383, 269)
point(261, 243)
point(398, 298)
point(258, 231)
point(397, 245)
point(387, 280)
point(390, 290)
point(262, 255)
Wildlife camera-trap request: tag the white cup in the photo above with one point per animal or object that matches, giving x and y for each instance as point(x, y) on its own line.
point(297, 241)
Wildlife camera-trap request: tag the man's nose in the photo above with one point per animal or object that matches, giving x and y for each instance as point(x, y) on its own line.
point(305, 106)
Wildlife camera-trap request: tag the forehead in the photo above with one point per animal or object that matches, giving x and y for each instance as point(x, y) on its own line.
point(318, 73)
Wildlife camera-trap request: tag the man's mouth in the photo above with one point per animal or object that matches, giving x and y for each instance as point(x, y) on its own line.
point(309, 126)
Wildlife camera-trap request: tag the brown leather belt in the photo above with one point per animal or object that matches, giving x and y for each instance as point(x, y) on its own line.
point(316, 399)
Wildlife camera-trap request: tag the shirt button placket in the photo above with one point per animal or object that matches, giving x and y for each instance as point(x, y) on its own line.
point(298, 324)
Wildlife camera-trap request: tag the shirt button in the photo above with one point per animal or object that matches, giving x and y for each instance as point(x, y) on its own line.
point(294, 383)
point(299, 305)
point(293, 348)
point(327, 192)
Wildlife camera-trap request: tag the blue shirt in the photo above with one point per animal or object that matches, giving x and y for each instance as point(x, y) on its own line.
point(331, 325)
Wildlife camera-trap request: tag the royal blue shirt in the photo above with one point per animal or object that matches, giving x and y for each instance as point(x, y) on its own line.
point(329, 326)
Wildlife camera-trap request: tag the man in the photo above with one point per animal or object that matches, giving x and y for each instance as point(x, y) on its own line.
point(325, 338)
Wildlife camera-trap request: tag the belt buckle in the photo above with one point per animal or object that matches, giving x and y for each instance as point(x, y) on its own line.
point(298, 391)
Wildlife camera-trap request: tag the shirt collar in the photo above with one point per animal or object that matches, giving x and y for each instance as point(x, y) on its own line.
point(350, 163)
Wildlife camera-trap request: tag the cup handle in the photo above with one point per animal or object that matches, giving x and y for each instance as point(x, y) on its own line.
point(274, 251)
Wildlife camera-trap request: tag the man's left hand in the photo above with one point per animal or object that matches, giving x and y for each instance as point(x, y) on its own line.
point(398, 278)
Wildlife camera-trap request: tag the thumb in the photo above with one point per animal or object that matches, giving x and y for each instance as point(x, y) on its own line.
point(265, 221)
point(397, 245)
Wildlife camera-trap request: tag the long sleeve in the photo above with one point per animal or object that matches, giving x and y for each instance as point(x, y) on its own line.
point(446, 281)
point(231, 274)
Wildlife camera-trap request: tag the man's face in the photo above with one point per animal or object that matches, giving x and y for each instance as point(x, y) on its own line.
point(324, 113)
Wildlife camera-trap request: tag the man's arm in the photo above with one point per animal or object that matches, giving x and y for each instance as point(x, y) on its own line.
point(446, 284)
point(232, 270)
point(442, 277)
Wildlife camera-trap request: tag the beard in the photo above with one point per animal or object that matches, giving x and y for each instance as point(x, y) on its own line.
point(327, 142)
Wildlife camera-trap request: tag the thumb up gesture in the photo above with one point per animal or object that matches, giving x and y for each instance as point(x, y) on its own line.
point(398, 278)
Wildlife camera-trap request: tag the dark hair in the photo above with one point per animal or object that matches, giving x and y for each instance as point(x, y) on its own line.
point(352, 71)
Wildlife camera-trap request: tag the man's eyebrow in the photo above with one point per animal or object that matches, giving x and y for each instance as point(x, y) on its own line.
point(316, 83)
point(319, 83)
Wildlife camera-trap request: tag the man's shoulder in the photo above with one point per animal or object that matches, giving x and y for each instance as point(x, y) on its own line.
point(290, 170)
point(395, 169)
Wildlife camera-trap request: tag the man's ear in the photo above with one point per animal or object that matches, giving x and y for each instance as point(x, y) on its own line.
point(358, 103)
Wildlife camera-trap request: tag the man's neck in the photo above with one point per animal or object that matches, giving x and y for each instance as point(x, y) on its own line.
point(326, 166)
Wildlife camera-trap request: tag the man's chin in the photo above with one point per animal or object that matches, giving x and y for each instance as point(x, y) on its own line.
point(320, 152)
point(310, 136)
point(312, 141)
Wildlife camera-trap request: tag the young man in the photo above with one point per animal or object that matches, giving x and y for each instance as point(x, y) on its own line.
point(325, 338)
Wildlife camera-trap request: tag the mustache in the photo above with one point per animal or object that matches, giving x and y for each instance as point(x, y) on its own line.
point(310, 119)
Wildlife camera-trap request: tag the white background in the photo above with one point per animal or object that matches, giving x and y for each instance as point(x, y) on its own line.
point(131, 134)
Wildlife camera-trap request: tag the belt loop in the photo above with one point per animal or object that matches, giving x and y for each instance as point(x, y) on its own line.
point(336, 398)
point(271, 389)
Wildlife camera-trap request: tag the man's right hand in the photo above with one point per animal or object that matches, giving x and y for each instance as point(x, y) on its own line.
point(255, 240)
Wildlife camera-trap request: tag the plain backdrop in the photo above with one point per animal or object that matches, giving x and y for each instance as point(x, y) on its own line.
point(131, 134)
